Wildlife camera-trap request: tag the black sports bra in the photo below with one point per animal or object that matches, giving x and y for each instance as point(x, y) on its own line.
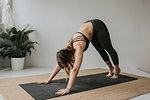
point(79, 38)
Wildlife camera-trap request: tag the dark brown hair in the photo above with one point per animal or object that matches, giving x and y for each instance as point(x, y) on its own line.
point(65, 58)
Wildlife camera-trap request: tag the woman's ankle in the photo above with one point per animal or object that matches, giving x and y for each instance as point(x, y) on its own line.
point(116, 66)
point(112, 68)
point(109, 65)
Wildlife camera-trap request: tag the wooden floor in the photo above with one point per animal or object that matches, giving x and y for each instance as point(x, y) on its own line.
point(11, 91)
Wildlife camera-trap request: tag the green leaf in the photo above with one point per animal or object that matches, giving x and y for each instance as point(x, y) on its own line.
point(22, 33)
point(21, 53)
point(25, 35)
point(4, 36)
point(18, 35)
point(23, 30)
point(2, 48)
point(31, 43)
point(29, 47)
point(6, 52)
point(25, 38)
point(29, 52)
point(8, 31)
point(9, 42)
point(13, 38)
point(29, 31)
point(14, 30)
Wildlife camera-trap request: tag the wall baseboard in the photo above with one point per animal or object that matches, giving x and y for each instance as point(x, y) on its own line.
point(5, 68)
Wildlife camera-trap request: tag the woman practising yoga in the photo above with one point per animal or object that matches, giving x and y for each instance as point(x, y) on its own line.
point(96, 32)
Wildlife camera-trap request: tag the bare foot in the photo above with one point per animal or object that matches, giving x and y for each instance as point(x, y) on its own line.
point(110, 72)
point(116, 73)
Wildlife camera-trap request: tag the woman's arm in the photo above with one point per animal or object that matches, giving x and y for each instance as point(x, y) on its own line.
point(74, 71)
point(76, 67)
point(55, 71)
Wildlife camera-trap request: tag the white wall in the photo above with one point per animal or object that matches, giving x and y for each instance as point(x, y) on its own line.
point(0, 12)
point(56, 20)
point(1, 61)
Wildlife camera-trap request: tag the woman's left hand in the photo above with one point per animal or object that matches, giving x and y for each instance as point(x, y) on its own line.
point(62, 91)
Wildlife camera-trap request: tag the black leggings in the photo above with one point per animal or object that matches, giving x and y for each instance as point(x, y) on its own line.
point(101, 41)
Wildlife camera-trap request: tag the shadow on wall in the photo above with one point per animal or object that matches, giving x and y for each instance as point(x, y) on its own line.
point(144, 69)
point(0, 18)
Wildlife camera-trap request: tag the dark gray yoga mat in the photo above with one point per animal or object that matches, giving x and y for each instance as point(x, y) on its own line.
point(82, 83)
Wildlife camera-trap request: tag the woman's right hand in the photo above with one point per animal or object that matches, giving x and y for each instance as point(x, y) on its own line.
point(43, 82)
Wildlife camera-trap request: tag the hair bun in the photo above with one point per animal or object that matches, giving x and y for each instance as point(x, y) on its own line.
point(69, 48)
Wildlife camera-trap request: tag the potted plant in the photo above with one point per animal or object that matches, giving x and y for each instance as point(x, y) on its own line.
point(15, 45)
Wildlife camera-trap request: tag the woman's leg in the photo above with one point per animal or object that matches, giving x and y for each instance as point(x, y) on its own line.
point(111, 68)
point(103, 54)
point(104, 39)
point(113, 54)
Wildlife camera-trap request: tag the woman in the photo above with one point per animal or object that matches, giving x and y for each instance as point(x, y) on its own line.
point(93, 31)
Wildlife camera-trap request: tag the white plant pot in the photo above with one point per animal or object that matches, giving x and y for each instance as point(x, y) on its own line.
point(17, 63)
